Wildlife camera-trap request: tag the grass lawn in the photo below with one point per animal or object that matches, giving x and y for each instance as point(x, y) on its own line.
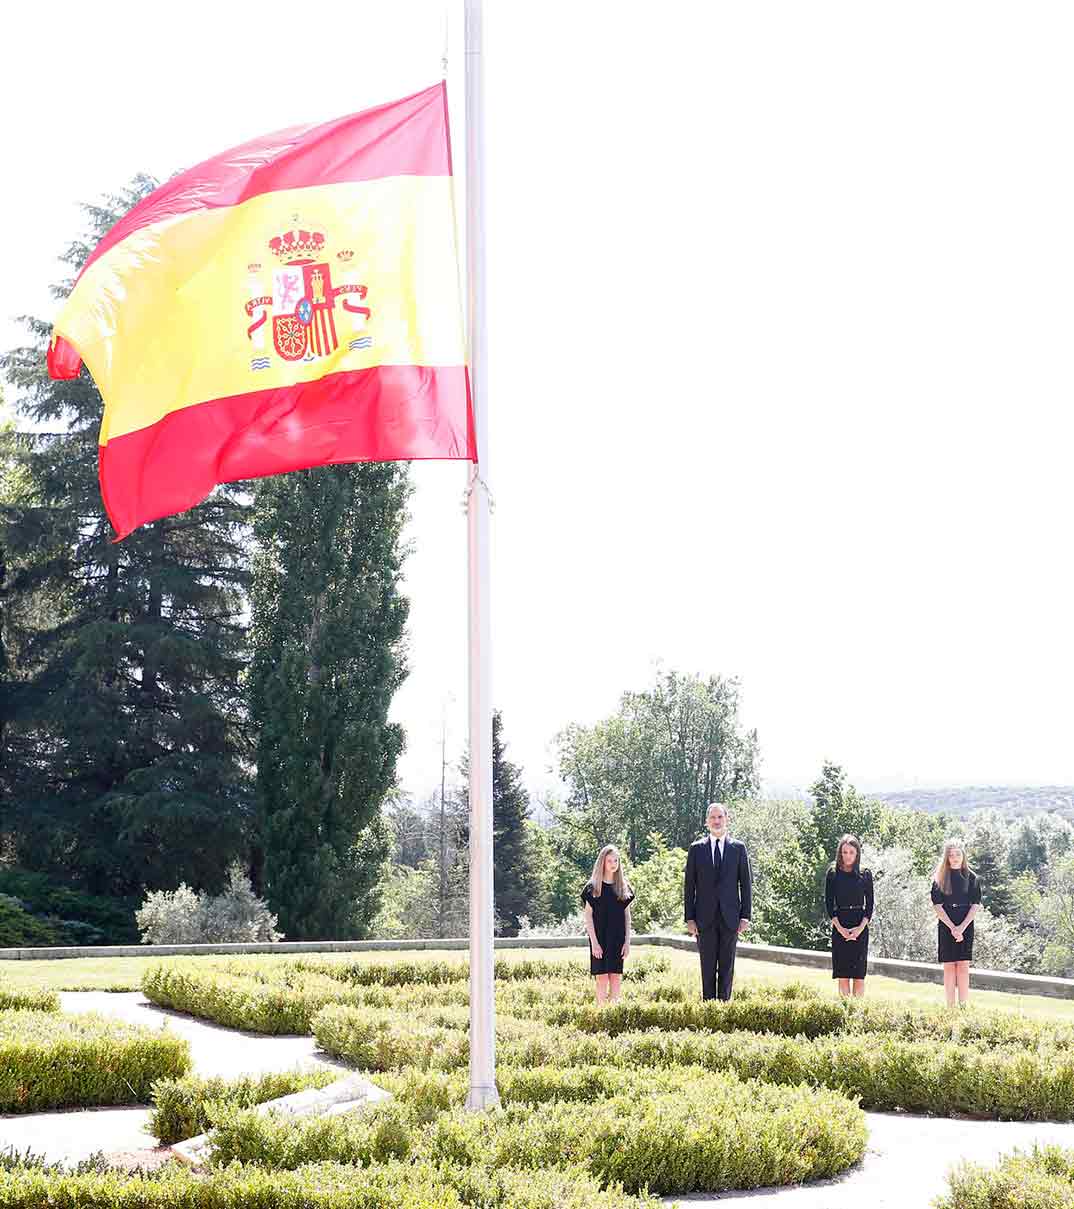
point(125, 973)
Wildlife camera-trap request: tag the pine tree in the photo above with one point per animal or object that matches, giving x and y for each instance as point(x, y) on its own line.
point(125, 733)
point(517, 883)
point(328, 623)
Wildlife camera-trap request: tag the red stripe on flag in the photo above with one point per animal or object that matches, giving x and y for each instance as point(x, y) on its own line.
point(385, 414)
point(402, 138)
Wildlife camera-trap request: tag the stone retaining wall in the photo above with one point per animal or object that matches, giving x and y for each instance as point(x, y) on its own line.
point(909, 971)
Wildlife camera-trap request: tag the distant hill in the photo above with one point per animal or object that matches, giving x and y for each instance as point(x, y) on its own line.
point(1016, 800)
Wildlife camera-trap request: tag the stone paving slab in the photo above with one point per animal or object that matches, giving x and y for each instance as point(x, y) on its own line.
point(906, 1164)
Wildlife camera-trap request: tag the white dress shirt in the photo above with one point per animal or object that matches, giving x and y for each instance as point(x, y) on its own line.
point(713, 841)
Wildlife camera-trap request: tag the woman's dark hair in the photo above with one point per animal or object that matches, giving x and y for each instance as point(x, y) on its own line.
point(837, 864)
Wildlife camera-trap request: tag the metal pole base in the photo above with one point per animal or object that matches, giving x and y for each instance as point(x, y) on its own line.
point(483, 1096)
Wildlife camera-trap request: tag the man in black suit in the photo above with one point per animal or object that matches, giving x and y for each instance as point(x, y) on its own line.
point(718, 901)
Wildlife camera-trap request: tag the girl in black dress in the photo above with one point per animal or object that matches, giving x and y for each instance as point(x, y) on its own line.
point(607, 897)
point(848, 895)
point(956, 899)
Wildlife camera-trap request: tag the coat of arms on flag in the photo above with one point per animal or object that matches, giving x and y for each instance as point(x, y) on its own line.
point(301, 293)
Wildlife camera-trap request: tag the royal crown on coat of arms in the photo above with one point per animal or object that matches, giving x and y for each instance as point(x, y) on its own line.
point(300, 296)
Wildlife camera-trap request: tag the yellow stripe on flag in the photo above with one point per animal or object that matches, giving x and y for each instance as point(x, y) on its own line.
point(161, 318)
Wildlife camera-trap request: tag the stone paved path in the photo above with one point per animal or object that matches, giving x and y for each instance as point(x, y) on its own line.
point(905, 1166)
point(70, 1136)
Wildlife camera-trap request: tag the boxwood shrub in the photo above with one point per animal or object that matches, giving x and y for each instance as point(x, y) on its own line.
point(276, 1007)
point(180, 1106)
point(319, 1186)
point(661, 1139)
point(27, 1000)
point(50, 1060)
point(1041, 1179)
point(810, 1016)
point(886, 1073)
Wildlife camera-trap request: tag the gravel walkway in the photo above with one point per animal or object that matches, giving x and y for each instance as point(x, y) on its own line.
point(905, 1166)
point(73, 1135)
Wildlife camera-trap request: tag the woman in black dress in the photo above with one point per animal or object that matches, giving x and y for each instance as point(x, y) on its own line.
point(607, 897)
point(848, 895)
point(956, 899)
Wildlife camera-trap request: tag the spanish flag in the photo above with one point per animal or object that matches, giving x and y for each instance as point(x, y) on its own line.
point(292, 302)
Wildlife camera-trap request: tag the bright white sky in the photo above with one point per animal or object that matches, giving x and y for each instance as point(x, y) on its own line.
point(781, 303)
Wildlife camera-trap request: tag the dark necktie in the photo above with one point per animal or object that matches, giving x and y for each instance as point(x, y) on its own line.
point(716, 861)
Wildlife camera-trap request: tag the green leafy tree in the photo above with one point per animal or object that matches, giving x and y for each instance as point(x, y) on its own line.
point(657, 885)
point(654, 766)
point(988, 844)
point(1038, 839)
point(783, 902)
point(920, 832)
point(123, 745)
point(1055, 914)
point(328, 623)
point(836, 809)
point(561, 877)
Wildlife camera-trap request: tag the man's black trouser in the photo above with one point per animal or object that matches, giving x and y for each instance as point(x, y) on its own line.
point(716, 943)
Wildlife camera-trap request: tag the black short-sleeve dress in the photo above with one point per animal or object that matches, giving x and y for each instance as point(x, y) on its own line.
point(609, 923)
point(965, 891)
point(848, 897)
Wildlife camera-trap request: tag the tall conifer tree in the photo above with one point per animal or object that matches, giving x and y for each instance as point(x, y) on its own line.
point(124, 735)
point(516, 882)
point(328, 624)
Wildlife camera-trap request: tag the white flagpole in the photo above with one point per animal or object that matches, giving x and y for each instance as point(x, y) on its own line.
point(483, 1093)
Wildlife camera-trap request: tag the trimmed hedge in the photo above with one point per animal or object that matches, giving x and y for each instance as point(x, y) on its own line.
point(181, 1106)
point(320, 1186)
point(380, 1042)
point(661, 1139)
point(437, 973)
point(29, 1001)
point(281, 997)
point(884, 1072)
point(49, 1060)
point(1042, 1179)
point(811, 1016)
point(276, 1007)
point(753, 1014)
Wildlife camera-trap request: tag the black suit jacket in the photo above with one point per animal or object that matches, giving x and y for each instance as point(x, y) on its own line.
point(705, 896)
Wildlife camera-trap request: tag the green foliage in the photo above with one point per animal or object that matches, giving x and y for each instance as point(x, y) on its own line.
point(408, 904)
point(657, 885)
point(244, 1003)
point(516, 878)
point(181, 1107)
point(328, 621)
point(33, 1001)
point(78, 918)
point(655, 765)
point(267, 995)
point(393, 1185)
point(56, 1061)
point(1041, 1179)
point(18, 928)
point(988, 850)
point(654, 1136)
